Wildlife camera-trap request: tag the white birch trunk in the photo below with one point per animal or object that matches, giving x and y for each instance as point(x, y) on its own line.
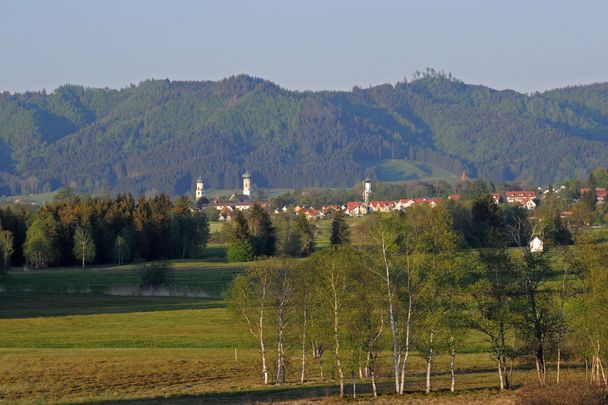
point(391, 314)
point(407, 341)
point(263, 350)
point(559, 358)
point(337, 338)
point(429, 363)
point(452, 361)
point(499, 365)
point(303, 345)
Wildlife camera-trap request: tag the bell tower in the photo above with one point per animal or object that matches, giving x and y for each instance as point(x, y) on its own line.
point(367, 189)
point(200, 189)
point(247, 183)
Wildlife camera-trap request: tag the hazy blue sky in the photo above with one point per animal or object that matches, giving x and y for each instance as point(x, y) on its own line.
point(525, 45)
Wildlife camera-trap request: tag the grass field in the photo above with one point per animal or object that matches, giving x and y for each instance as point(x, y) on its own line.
point(400, 170)
point(152, 347)
point(65, 339)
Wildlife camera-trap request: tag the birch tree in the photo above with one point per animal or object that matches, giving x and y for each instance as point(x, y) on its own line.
point(281, 297)
point(437, 245)
point(332, 269)
point(248, 297)
point(490, 304)
point(84, 246)
point(383, 261)
point(591, 324)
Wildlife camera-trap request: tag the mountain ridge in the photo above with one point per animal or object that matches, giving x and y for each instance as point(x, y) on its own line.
point(161, 134)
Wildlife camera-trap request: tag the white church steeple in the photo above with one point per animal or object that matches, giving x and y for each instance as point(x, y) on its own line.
point(247, 183)
point(367, 189)
point(200, 189)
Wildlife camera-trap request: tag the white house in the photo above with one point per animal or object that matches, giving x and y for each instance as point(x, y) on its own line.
point(536, 245)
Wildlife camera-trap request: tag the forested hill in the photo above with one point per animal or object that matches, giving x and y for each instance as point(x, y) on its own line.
point(161, 135)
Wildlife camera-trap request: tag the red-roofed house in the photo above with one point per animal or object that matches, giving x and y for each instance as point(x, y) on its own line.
point(356, 208)
point(495, 197)
point(529, 204)
point(330, 209)
point(311, 214)
point(601, 195)
point(520, 197)
point(382, 206)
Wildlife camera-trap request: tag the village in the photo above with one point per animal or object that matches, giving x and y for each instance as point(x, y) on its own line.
point(527, 199)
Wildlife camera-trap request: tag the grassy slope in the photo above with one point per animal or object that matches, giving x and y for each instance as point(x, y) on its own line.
point(399, 170)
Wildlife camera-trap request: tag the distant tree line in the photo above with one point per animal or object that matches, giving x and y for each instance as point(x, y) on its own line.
point(103, 230)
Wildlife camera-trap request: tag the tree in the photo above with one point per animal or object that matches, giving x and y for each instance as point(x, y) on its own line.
point(240, 251)
point(340, 232)
point(590, 324)
point(84, 246)
point(537, 320)
point(39, 248)
point(490, 304)
point(333, 270)
point(307, 235)
point(439, 283)
point(248, 297)
point(282, 297)
point(6, 247)
point(263, 234)
point(289, 238)
point(384, 263)
point(121, 250)
point(487, 221)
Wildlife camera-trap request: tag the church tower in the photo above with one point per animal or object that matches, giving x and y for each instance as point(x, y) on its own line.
point(367, 189)
point(200, 189)
point(247, 183)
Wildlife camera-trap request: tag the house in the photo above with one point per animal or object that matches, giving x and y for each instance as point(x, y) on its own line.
point(330, 209)
point(520, 197)
point(404, 203)
point(528, 204)
point(495, 198)
point(280, 210)
point(312, 214)
point(454, 197)
point(382, 206)
point(601, 195)
point(536, 245)
point(356, 208)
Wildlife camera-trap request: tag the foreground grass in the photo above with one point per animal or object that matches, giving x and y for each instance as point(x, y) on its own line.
point(175, 350)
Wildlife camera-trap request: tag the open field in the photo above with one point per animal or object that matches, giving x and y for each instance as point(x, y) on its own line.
point(149, 347)
point(65, 339)
point(61, 346)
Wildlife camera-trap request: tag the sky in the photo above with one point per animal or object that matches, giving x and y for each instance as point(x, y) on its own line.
point(530, 45)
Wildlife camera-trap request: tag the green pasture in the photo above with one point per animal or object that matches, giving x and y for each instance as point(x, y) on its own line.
point(65, 339)
point(400, 170)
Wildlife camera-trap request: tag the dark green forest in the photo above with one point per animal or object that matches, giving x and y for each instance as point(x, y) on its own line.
point(161, 135)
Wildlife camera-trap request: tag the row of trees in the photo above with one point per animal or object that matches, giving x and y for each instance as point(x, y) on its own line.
point(104, 230)
point(410, 289)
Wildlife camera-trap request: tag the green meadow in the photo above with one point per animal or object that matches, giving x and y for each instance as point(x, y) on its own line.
point(74, 335)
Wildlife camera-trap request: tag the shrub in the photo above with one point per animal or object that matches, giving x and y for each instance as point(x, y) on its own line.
point(155, 275)
point(240, 251)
